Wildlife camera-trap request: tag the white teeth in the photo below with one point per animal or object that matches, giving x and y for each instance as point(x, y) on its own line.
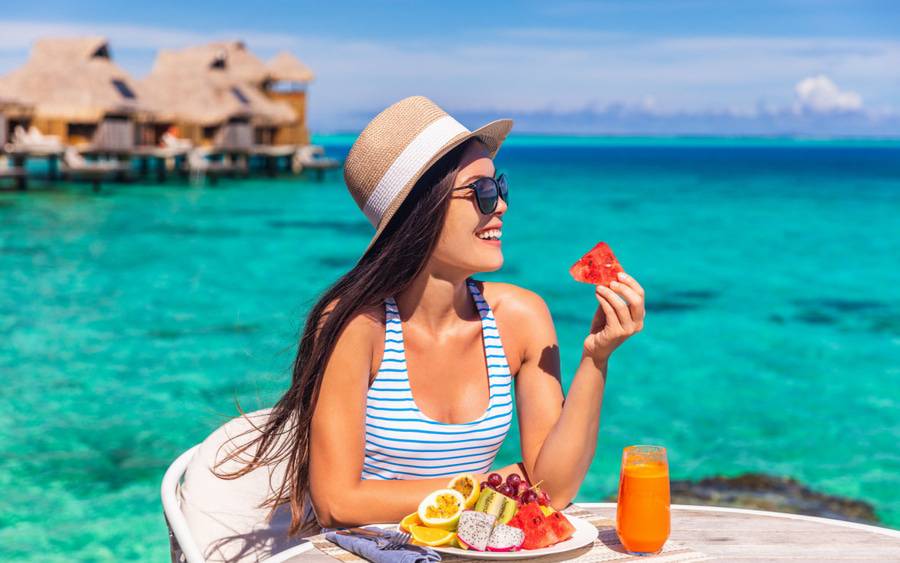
point(493, 234)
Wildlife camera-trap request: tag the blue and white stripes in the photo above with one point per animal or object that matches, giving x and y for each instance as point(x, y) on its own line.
point(403, 443)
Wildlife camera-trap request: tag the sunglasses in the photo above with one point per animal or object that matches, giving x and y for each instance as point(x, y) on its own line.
point(488, 191)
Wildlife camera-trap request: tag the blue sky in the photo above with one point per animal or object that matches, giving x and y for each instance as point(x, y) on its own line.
point(692, 66)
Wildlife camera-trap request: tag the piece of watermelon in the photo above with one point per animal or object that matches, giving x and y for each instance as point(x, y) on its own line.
point(598, 267)
point(561, 526)
point(538, 530)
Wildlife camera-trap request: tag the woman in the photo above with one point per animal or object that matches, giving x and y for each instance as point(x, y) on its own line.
point(401, 378)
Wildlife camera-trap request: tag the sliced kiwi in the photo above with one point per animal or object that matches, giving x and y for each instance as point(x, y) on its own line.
point(483, 500)
point(492, 502)
point(509, 510)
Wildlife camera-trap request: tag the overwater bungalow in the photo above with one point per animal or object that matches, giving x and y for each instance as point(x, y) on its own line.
point(209, 93)
point(79, 95)
point(286, 80)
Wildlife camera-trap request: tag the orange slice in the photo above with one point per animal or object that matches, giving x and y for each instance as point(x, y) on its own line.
point(434, 537)
point(410, 520)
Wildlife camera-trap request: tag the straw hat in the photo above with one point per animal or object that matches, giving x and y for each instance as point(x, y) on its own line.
point(398, 146)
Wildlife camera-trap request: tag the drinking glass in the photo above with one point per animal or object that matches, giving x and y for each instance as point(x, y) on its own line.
point(642, 513)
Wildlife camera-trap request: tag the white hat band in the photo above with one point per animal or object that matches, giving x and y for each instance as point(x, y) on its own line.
point(416, 154)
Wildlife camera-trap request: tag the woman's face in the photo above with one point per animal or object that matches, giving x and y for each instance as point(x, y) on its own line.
point(470, 240)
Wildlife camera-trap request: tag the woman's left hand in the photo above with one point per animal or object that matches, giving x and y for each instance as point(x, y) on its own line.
point(615, 320)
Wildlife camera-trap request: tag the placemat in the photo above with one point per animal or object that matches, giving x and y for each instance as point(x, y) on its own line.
point(605, 548)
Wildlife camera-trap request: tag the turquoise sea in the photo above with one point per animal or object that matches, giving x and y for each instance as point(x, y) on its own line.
point(132, 319)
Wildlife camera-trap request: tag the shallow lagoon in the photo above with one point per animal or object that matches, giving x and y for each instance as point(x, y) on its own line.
point(134, 318)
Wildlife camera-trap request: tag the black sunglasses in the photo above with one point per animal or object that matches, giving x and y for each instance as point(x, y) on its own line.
point(487, 191)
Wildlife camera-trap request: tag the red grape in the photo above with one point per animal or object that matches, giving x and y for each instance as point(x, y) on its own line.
point(543, 499)
point(505, 490)
point(523, 486)
point(483, 486)
point(513, 480)
point(494, 480)
point(529, 496)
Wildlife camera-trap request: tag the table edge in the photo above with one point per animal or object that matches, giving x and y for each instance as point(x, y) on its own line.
point(305, 547)
point(827, 521)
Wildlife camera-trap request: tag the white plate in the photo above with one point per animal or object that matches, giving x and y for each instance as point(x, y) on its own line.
point(585, 534)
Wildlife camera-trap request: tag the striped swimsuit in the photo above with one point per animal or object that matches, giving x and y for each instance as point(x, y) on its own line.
point(403, 443)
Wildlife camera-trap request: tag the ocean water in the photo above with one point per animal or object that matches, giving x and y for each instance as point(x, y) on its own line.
point(132, 319)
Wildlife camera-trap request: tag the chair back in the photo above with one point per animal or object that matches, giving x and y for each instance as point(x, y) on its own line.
point(222, 518)
point(181, 541)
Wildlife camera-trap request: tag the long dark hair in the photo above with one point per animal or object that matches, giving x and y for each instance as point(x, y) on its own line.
point(386, 269)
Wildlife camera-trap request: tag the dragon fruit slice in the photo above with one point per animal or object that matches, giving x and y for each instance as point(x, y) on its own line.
point(474, 529)
point(505, 538)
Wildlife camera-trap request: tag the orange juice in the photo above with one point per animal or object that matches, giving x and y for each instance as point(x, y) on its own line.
point(642, 513)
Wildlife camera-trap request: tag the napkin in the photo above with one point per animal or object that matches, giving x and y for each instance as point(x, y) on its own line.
point(368, 548)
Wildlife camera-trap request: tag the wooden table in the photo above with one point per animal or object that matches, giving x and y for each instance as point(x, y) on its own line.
point(732, 534)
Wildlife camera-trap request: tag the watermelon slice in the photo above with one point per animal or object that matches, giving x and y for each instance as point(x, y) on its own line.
point(538, 529)
point(561, 526)
point(598, 267)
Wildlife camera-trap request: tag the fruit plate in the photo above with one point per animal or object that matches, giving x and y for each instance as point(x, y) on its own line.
point(585, 534)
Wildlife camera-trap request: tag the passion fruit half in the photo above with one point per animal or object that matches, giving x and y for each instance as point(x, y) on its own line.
point(441, 509)
point(468, 486)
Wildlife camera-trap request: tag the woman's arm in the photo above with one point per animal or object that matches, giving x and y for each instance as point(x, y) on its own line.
point(337, 443)
point(559, 436)
point(340, 496)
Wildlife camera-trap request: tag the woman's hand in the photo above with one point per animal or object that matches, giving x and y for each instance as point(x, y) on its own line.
point(615, 320)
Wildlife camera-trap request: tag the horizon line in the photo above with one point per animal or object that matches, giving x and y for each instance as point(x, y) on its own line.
point(689, 136)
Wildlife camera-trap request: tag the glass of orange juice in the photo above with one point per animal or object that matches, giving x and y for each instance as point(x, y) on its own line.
point(642, 513)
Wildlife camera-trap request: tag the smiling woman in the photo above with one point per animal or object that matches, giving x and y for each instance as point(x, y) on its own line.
point(401, 378)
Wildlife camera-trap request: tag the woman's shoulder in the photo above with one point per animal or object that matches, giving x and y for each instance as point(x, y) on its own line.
point(364, 325)
point(514, 302)
point(362, 335)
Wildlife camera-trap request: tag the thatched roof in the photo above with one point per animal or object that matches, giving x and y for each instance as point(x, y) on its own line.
point(73, 79)
point(242, 64)
point(288, 68)
point(208, 84)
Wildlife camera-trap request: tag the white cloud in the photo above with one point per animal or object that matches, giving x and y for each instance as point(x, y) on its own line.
point(820, 94)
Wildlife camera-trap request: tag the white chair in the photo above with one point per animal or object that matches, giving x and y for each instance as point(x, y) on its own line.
point(311, 157)
point(73, 160)
point(180, 538)
point(214, 519)
point(20, 135)
point(33, 140)
point(170, 141)
point(35, 137)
